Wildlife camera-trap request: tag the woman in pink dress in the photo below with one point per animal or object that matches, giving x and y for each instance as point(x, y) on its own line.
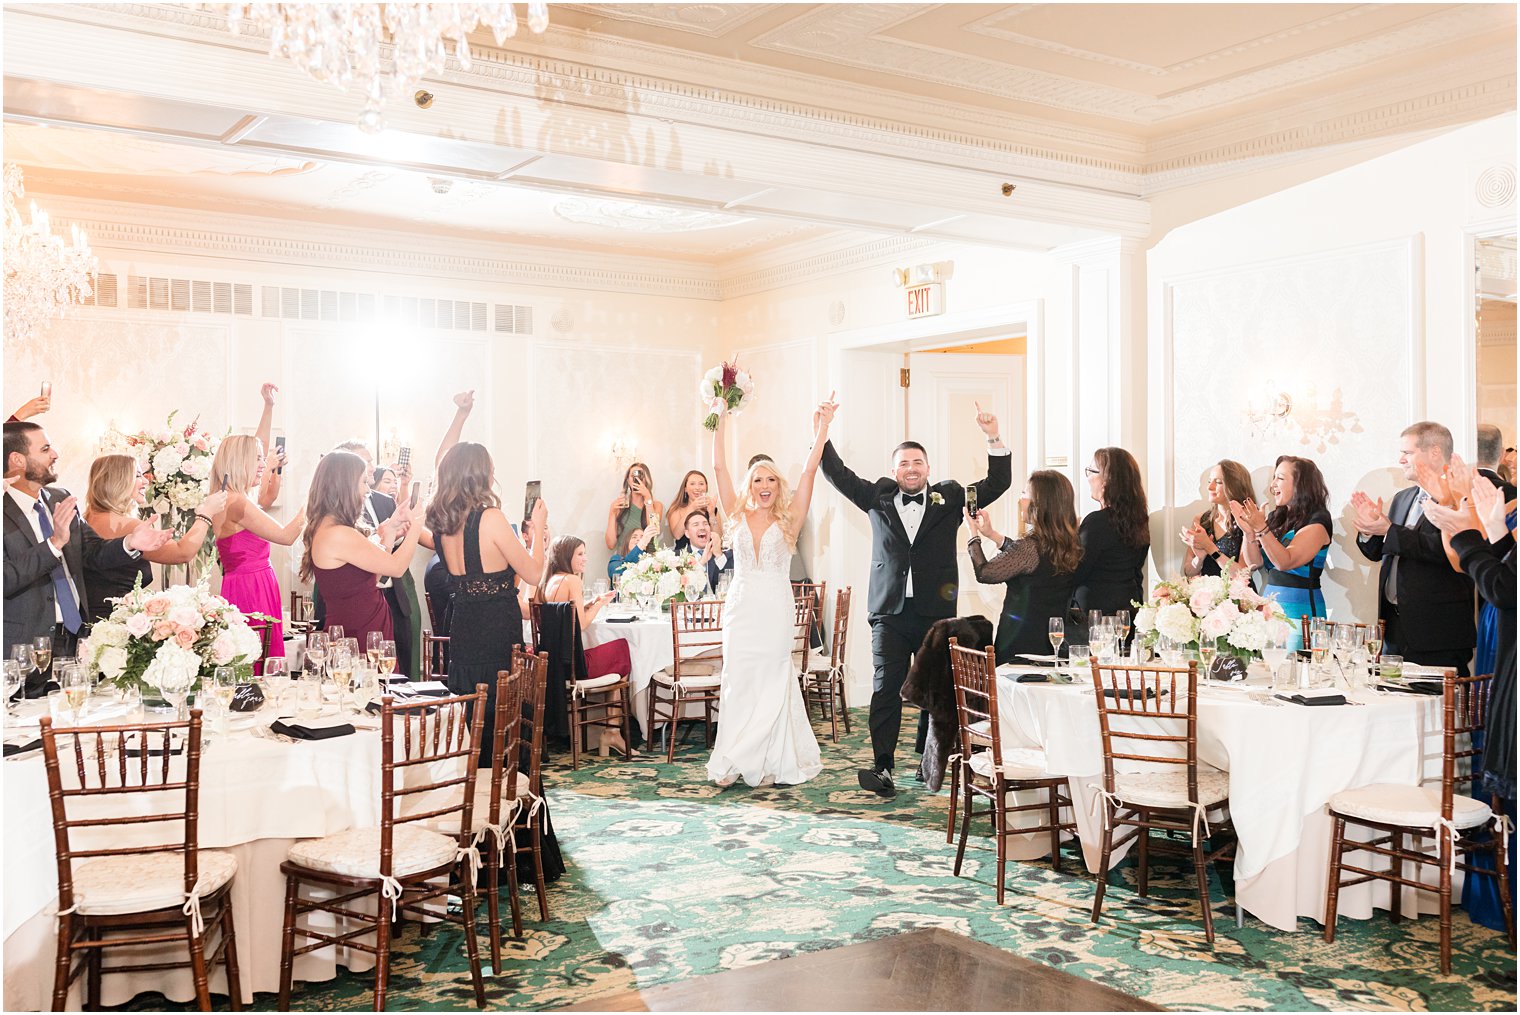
point(244, 531)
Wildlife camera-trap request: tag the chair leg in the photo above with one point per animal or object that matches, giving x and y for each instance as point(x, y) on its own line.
point(538, 871)
point(1108, 848)
point(1333, 885)
point(577, 730)
point(670, 728)
point(382, 950)
point(955, 780)
point(287, 943)
point(1055, 828)
point(627, 719)
point(514, 900)
point(1000, 832)
point(62, 962)
point(1143, 854)
point(230, 956)
point(93, 959)
point(1396, 900)
point(471, 934)
point(493, 905)
point(1501, 868)
point(1446, 904)
point(197, 945)
point(960, 850)
point(844, 706)
point(1205, 897)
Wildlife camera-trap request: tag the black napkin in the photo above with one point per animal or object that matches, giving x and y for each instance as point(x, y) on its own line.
point(1130, 692)
point(307, 733)
point(133, 748)
point(1032, 678)
point(620, 620)
point(1030, 661)
point(1414, 687)
point(1321, 699)
point(22, 748)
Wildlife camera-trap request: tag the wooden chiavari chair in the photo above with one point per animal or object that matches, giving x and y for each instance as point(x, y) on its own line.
point(118, 896)
point(265, 630)
point(603, 701)
point(428, 754)
point(991, 773)
point(1453, 818)
point(823, 684)
point(1155, 709)
point(820, 593)
point(696, 631)
point(435, 656)
point(535, 670)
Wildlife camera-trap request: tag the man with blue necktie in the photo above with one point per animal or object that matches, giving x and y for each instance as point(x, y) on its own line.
point(47, 548)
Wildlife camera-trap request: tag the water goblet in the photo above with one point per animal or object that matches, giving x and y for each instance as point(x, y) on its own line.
point(1057, 635)
point(175, 686)
point(14, 678)
point(1078, 656)
point(599, 588)
point(1274, 653)
point(309, 695)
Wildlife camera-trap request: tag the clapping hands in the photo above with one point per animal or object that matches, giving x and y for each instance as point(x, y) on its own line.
point(1248, 515)
point(1196, 539)
point(1370, 519)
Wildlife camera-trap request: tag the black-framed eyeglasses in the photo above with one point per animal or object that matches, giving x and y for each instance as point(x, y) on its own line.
point(1090, 471)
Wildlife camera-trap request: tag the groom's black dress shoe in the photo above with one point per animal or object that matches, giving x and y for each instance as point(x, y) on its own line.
point(879, 783)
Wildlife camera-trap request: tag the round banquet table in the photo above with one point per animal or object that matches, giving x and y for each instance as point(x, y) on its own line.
point(649, 646)
point(1284, 761)
point(257, 798)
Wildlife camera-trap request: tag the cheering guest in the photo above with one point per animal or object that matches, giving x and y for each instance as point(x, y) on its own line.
point(633, 513)
point(564, 579)
point(1039, 567)
point(1214, 538)
point(1115, 538)
point(48, 548)
point(384, 482)
point(32, 407)
point(114, 501)
point(704, 540)
point(693, 497)
point(1291, 543)
point(1426, 607)
point(1490, 459)
point(435, 581)
point(244, 532)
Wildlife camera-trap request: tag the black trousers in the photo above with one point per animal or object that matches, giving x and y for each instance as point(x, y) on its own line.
point(895, 637)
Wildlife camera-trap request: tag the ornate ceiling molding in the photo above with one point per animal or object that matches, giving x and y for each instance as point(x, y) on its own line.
point(816, 259)
point(710, 20)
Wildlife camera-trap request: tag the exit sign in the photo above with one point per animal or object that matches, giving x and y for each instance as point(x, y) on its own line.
point(926, 300)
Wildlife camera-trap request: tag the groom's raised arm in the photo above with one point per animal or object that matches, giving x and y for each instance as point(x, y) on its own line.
point(856, 490)
point(999, 460)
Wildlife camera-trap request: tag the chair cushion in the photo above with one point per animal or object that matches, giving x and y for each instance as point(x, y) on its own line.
point(1169, 789)
point(144, 882)
point(702, 680)
point(981, 732)
point(819, 662)
point(355, 852)
point(448, 824)
point(1415, 806)
point(1019, 763)
point(594, 683)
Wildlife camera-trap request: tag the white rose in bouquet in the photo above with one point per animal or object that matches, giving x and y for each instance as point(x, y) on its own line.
point(1175, 621)
point(224, 648)
point(1204, 593)
point(1145, 619)
point(197, 467)
point(167, 462)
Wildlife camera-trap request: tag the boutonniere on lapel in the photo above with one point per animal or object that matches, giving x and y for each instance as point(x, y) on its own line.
point(935, 498)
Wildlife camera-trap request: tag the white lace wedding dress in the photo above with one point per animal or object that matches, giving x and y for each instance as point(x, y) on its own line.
point(764, 736)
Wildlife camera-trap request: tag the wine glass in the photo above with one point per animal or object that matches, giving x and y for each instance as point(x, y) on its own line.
point(1122, 625)
point(1373, 643)
point(42, 653)
point(372, 647)
point(276, 681)
point(334, 632)
point(75, 682)
point(1170, 651)
point(175, 685)
point(385, 663)
point(14, 677)
point(1274, 653)
point(316, 650)
point(1342, 641)
point(599, 588)
point(1057, 635)
point(1319, 646)
point(1208, 651)
point(224, 684)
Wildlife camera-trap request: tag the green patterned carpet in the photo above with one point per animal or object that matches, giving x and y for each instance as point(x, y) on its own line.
point(670, 878)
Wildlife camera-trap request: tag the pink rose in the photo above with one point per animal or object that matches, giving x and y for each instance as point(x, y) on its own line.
point(161, 630)
point(157, 606)
point(138, 625)
point(185, 637)
point(202, 444)
point(1163, 595)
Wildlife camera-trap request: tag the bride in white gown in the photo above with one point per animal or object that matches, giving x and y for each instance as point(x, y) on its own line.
point(764, 736)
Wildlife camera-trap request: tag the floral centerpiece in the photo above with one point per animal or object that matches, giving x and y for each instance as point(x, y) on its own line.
point(724, 387)
point(1208, 608)
point(177, 463)
point(662, 576)
point(183, 630)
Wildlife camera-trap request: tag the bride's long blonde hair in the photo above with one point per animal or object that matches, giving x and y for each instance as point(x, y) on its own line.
point(746, 503)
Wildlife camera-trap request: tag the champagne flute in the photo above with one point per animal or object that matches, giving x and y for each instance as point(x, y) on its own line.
point(372, 647)
point(1373, 643)
point(1208, 650)
point(1121, 622)
point(340, 670)
point(1057, 635)
point(21, 655)
point(1319, 646)
point(386, 661)
point(334, 633)
point(224, 684)
point(42, 653)
point(76, 687)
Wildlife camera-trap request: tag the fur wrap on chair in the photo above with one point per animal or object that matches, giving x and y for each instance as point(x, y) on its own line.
point(930, 687)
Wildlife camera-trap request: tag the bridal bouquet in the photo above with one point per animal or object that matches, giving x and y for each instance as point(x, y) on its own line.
point(184, 631)
point(662, 576)
point(1209, 608)
point(177, 463)
point(724, 387)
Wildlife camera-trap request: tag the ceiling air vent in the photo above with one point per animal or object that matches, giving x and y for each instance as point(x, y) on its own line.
point(178, 295)
point(102, 290)
point(514, 320)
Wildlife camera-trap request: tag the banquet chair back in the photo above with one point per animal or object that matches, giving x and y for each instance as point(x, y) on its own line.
point(1403, 817)
point(435, 656)
point(604, 699)
point(823, 684)
point(435, 612)
point(265, 630)
point(694, 675)
point(414, 861)
point(805, 613)
point(533, 670)
point(820, 593)
point(990, 774)
point(501, 799)
point(110, 894)
point(1148, 720)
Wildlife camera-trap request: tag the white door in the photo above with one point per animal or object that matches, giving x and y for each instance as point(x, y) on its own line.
point(943, 393)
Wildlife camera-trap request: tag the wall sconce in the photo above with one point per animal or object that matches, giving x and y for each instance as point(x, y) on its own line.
point(1276, 414)
point(390, 450)
point(113, 442)
point(1309, 423)
point(624, 450)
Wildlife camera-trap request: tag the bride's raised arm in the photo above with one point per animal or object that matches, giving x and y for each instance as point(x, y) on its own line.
point(822, 417)
point(721, 474)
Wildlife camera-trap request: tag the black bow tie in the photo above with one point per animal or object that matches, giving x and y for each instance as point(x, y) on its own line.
point(911, 498)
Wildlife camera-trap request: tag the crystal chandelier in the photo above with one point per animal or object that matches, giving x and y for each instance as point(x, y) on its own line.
point(43, 275)
point(342, 43)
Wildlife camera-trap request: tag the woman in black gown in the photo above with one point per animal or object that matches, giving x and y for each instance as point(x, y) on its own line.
point(484, 558)
point(1116, 538)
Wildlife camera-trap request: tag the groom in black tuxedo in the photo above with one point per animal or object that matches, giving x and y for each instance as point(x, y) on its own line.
point(914, 577)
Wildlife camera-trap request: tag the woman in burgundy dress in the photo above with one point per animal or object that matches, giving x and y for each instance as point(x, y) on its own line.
point(343, 561)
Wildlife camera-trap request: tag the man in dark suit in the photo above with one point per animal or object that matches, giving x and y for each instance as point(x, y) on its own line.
point(1490, 454)
point(1426, 606)
point(914, 575)
point(700, 539)
point(48, 547)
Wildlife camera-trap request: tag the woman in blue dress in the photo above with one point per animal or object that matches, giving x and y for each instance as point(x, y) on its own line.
point(1290, 545)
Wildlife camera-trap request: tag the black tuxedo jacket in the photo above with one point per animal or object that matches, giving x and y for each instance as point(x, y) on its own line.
point(931, 557)
point(30, 600)
point(1435, 608)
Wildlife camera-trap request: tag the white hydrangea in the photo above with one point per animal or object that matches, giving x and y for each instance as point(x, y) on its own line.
point(245, 642)
point(166, 462)
point(109, 633)
point(171, 660)
point(112, 661)
point(1145, 619)
point(1176, 621)
point(186, 496)
point(1249, 632)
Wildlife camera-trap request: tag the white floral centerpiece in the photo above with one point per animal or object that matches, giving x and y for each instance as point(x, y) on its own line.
point(184, 629)
point(1208, 608)
point(724, 388)
point(662, 576)
point(177, 464)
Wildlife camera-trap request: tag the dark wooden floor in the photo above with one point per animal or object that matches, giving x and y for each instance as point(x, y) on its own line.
point(924, 970)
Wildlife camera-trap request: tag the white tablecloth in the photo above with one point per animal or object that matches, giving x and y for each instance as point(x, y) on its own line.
point(257, 797)
point(649, 646)
point(1285, 762)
